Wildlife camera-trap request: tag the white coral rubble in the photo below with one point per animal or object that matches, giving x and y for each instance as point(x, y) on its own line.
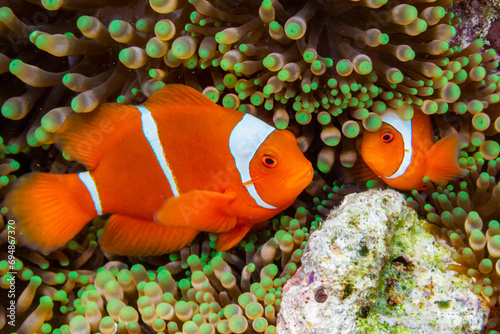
point(372, 268)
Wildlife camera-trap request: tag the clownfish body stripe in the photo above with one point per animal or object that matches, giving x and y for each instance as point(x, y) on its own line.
point(150, 131)
point(89, 183)
point(244, 141)
point(405, 129)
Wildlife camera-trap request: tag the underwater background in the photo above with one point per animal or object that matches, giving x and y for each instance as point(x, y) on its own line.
point(326, 70)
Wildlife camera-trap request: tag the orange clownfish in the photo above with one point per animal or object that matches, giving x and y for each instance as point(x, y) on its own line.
point(166, 170)
point(402, 152)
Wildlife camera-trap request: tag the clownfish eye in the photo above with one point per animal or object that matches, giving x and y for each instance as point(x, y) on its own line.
point(269, 161)
point(386, 136)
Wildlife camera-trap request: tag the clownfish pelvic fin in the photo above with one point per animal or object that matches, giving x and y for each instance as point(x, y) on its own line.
point(230, 238)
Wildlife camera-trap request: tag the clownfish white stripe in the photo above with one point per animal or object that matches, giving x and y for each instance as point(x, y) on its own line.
point(89, 183)
point(404, 128)
point(150, 131)
point(244, 141)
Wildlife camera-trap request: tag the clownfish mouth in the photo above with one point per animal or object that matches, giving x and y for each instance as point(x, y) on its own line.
point(300, 181)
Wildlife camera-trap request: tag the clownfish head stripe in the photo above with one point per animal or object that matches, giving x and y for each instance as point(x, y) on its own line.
point(150, 131)
point(245, 139)
point(404, 128)
point(89, 183)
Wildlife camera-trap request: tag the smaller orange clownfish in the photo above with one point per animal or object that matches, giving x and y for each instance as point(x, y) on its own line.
point(402, 152)
point(166, 170)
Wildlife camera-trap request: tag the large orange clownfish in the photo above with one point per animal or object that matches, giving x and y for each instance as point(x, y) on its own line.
point(402, 152)
point(167, 169)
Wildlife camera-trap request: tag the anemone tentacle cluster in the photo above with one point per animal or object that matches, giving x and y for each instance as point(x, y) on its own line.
point(337, 64)
point(195, 290)
point(327, 70)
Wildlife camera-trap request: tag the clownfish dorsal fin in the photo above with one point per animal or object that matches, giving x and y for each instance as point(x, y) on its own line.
point(442, 160)
point(124, 235)
point(176, 97)
point(87, 137)
point(201, 210)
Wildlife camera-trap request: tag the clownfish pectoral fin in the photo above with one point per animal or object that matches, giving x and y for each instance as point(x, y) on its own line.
point(200, 210)
point(87, 137)
point(123, 235)
point(48, 210)
point(231, 238)
point(442, 160)
point(360, 172)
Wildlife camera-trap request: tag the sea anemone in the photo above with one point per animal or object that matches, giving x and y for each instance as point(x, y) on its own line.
point(194, 289)
point(327, 70)
point(339, 64)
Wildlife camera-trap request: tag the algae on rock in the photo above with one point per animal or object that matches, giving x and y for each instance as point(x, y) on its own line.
point(372, 268)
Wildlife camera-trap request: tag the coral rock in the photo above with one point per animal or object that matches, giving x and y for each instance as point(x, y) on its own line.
point(372, 268)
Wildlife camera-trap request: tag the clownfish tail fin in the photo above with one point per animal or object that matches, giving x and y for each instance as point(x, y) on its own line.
point(48, 209)
point(442, 160)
